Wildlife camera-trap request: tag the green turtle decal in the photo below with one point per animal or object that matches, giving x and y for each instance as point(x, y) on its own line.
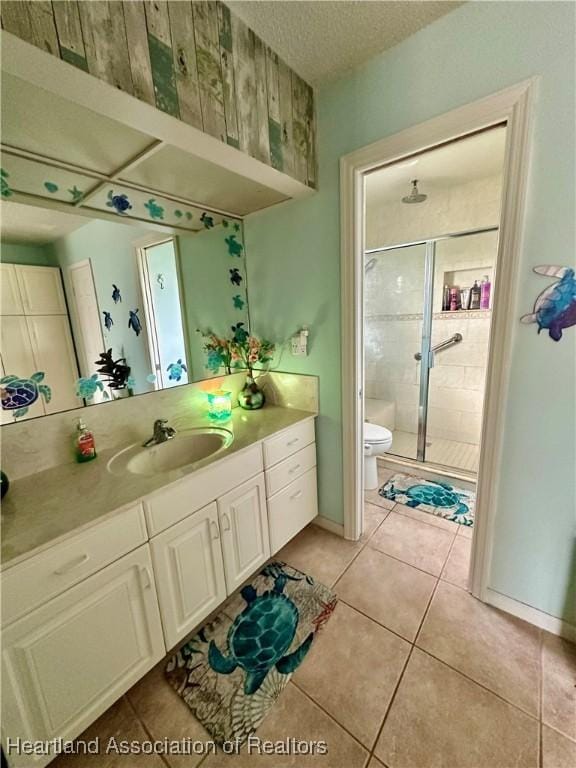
point(87, 386)
point(19, 394)
point(432, 493)
point(260, 637)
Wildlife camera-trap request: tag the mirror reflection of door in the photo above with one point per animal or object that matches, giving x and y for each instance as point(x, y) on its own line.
point(161, 291)
point(90, 341)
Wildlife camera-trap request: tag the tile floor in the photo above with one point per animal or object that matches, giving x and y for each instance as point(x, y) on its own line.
point(410, 672)
point(450, 453)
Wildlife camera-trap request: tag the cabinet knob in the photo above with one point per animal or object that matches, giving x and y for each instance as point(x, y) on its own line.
point(293, 469)
point(292, 442)
point(296, 495)
point(145, 576)
point(225, 522)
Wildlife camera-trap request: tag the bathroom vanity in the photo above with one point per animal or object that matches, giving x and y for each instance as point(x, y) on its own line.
point(95, 596)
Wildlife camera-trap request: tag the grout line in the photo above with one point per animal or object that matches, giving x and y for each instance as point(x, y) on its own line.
point(379, 623)
point(404, 562)
point(457, 526)
point(393, 697)
point(146, 729)
point(480, 685)
point(330, 715)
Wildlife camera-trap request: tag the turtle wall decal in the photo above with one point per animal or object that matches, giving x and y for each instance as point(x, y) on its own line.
point(260, 637)
point(555, 307)
point(18, 394)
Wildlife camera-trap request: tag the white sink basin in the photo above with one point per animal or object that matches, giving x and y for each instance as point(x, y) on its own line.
point(182, 451)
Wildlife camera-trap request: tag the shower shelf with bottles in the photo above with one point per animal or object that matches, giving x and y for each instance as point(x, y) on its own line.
point(467, 290)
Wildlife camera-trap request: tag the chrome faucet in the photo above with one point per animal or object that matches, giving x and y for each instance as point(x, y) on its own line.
point(162, 432)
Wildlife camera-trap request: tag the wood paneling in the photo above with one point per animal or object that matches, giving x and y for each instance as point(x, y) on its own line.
point(194, 60)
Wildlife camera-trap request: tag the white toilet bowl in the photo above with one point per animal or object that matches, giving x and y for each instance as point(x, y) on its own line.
point(377, 440)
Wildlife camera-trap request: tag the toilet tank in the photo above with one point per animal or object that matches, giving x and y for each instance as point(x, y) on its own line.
point(382, 412)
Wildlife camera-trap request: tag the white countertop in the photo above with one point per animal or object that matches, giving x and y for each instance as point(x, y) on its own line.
point(46, 507)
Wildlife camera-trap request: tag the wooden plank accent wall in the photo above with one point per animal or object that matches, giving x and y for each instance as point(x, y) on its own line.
point(194, 60)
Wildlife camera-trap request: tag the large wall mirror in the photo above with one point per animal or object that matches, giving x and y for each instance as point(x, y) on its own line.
point(100, 308)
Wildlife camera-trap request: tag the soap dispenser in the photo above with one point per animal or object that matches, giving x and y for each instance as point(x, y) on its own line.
point(84, 443)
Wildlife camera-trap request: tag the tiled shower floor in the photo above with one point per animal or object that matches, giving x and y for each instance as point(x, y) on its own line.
point(450, 453)
point(409, 671)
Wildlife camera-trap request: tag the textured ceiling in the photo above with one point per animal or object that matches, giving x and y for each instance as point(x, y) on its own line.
point(323, 39)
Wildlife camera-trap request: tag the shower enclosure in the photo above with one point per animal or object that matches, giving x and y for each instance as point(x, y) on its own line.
point(425, 364)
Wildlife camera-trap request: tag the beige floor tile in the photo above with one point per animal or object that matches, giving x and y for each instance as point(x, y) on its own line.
point(492, 647)
point(375, 763)
point(373, 497)
point(426, 517)
point(457, 567)
point(559, 684)
point(119, 723)
point(558, 751)
point(319, 553)
point(439, 719)
point(166, 715)
point(392, 593)
point(294, 716)
point(355, 694)
point(466, 531)
point(384, 474)
point(373, 516)
point(423, 546)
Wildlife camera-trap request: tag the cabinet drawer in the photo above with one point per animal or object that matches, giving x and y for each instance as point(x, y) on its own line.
point(292, 509)
point(287, 443)
point(289, 469)
point(50, 573)
point(169, 506)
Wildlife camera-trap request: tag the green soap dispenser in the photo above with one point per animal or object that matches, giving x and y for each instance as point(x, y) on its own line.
point(84, 443)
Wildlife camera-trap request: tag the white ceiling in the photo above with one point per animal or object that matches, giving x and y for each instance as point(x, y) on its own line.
point(470, 159)
point(38, 226)
point(322, 39)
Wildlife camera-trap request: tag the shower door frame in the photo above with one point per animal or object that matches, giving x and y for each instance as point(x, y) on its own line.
point(513, 108)
point(426, 353)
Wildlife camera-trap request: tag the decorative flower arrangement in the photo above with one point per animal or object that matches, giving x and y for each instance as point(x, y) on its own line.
point(240, 351)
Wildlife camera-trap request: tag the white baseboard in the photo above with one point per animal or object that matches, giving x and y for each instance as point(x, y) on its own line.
point(532, 615)
point(329, 525)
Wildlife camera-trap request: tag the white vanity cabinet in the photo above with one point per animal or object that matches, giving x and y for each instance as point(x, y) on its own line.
point(66, 662)
point(212, 551)
point(189, 571)
point(290, 462)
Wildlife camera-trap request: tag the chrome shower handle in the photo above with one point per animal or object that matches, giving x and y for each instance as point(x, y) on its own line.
point(456, 339)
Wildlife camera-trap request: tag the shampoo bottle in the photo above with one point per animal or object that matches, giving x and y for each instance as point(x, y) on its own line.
point(475, 296)
point(485, 293)
point(84, 443)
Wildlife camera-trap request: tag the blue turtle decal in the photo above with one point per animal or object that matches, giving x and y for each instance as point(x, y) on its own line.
point(19, 394)
point(175, 370)
point(207, 220)
point(108, 322)
point(134, 322)
point(555, 307)
point(87, 386)
point(120, 203)
point(235, 276)
point(260, 637)
point(116, 297)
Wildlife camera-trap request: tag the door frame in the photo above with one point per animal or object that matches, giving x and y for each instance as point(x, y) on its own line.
point(512, 106)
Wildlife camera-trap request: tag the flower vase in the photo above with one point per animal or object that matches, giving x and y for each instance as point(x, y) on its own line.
point(251, 396)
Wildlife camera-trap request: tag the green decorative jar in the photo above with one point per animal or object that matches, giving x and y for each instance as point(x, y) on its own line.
point(251, 396)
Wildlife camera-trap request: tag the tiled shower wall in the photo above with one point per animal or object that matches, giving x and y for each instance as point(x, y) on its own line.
point(394, 288)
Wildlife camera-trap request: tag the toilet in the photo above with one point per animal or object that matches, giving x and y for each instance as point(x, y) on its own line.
point(377, 440)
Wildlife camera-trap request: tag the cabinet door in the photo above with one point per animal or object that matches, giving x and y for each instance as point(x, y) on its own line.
point(41, 290)
point(18, 360)
point(189, 572)
point(11, 300)
point(244, 526)
point(68, 661)
point(53, 352)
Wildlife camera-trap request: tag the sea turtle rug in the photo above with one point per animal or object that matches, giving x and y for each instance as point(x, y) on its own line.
point(437, 498)
point(234, 669)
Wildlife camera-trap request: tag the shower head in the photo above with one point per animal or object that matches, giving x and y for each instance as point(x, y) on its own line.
point(414, 196)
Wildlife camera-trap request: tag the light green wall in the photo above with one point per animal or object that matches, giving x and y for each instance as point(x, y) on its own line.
point(110, 247)
point(24, 253)
point(293, 253)
point(208, 294)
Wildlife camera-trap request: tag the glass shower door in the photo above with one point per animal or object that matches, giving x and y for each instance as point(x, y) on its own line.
point(394, 309)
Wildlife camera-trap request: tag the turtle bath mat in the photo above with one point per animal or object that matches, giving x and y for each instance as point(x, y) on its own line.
point(437, 498)
point(235, 668)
